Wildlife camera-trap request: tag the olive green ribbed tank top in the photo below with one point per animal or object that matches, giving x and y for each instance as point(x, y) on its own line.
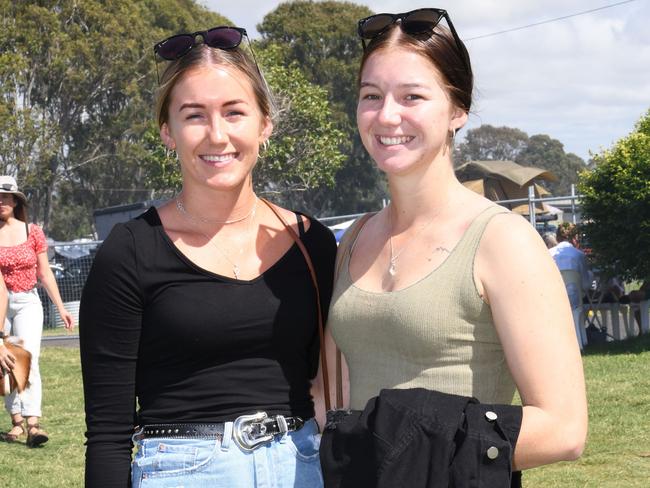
point(437, 333)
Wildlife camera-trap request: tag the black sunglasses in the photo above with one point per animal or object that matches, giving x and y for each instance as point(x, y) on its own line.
point(414, 23)
point(177, 46)
point(222, 37)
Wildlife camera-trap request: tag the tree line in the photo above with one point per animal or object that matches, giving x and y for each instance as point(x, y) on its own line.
point(78, 82)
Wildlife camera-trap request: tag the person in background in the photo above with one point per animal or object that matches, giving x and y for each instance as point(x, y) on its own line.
point(568, 257)
point(203, 312)
point(549, 239)
point(443, 289)
point(635, 297)
point(23, 262)
point(613, 290)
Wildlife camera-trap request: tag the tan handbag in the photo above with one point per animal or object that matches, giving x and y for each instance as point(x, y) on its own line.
point(17, 378)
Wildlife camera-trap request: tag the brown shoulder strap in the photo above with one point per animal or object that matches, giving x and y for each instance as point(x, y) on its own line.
point(312, 272)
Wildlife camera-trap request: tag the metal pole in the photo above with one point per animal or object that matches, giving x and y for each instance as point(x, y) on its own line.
point(573, 203)
point(531, 205)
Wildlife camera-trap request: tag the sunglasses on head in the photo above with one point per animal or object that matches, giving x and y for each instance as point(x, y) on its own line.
point(414, 23)
point(222, 37)
point(177, 46)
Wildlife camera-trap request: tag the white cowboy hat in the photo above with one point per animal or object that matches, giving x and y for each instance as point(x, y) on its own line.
point(8, 185)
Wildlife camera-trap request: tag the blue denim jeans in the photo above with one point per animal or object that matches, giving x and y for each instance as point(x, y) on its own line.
point(289, 461)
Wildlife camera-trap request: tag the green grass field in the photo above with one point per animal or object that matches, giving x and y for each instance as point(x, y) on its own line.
point(617, 454)
point(618, 446)
point(59, 331)
point(59, 463)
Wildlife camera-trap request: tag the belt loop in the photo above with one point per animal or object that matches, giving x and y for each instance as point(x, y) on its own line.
point(227, 436)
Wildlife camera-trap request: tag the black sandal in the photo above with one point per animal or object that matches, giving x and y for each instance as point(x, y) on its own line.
point(9, 437)
point(38, 438)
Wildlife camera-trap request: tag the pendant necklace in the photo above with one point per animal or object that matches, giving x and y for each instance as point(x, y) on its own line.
point(235, 268)
point(392, 268)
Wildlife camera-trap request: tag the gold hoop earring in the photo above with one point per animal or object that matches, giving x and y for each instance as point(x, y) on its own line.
point(265, 145)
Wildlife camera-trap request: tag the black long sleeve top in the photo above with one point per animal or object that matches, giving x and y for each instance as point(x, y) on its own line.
point(189, 345)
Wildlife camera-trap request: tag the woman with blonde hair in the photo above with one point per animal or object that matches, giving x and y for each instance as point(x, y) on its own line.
point(203, 311)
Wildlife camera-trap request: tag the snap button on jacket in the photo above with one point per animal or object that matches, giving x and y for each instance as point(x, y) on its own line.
point(422, 439)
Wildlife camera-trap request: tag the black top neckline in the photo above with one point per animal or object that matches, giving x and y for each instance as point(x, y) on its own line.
point(154, 218)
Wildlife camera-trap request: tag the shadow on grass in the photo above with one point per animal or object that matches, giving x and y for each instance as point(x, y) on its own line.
point(635, 345)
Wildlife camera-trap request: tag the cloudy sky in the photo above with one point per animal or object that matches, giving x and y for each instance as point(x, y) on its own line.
point(584, 80)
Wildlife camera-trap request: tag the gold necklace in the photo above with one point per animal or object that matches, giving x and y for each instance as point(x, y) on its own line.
point(181, 208)
point(235, 268)
point(392, 267)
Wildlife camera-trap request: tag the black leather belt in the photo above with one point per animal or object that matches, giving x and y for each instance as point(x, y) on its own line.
point(208, 431)
point(249, 431)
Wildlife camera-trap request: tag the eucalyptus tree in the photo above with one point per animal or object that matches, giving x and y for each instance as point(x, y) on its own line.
point(320, 38)
point(76, 93)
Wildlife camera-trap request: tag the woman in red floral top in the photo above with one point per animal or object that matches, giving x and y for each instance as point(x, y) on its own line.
point(23, 262)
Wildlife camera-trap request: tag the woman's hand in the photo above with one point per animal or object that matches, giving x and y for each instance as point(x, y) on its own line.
point(68, 320)
point(46, 278)
point(7, 360)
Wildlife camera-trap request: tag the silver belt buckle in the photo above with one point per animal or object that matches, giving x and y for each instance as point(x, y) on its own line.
point(249, 436)
point(138, 435)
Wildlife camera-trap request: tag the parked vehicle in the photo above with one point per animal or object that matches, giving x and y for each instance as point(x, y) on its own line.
point(79, 267)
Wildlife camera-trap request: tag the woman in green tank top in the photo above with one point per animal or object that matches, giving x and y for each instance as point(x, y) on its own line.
point(443, 289)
